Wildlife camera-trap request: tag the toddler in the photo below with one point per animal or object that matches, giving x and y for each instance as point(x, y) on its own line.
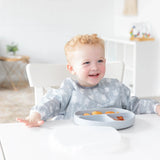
point(86, 60)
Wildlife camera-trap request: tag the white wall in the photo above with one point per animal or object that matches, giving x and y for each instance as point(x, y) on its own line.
point(148, 12)
point(42, 27)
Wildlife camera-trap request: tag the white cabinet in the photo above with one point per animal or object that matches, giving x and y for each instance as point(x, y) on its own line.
point(140, 61)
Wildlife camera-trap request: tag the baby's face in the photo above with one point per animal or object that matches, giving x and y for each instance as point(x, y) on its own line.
point(88, 64)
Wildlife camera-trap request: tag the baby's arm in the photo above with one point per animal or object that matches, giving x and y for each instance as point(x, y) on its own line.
point(33, 120)
point(138, 105)
point(54, 102)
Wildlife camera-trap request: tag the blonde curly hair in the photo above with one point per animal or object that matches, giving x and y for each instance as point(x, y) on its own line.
point(79, 40)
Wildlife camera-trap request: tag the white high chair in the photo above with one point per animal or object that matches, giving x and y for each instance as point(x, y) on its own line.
point(42, 75)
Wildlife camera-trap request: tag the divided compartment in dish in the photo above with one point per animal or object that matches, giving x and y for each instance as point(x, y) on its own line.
point(98, 117)
point(103, 110)
point(115, 116)
point(104, 117)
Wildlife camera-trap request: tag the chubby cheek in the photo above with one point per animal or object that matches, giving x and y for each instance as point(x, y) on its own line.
point(103, 69)
point(82, 73)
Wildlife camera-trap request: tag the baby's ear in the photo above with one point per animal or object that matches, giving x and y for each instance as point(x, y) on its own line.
point(70, 68)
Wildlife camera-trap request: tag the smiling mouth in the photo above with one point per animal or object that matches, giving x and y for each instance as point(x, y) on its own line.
point(94, 75)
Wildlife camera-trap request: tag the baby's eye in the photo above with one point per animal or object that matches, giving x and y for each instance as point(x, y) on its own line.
point(100, 61)
point(86, 62)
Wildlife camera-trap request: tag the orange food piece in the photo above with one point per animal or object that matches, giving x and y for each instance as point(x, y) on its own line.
point(120, 118)
point(86, 114)
point(109, 112)
point(96, 112)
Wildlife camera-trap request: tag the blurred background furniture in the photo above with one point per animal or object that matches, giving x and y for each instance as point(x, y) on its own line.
point(13, 67)
point(42, 75)
point(139, 58)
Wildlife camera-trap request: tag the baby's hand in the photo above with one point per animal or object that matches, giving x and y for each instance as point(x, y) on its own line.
point(33, 120)
point(158, 110)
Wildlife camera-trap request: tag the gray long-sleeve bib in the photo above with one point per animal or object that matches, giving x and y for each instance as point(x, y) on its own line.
point(72, 97)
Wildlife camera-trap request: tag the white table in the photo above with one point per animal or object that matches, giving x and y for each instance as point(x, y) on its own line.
point(140, 141)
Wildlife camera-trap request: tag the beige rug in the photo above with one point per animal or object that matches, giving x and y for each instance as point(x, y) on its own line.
point(15, 103)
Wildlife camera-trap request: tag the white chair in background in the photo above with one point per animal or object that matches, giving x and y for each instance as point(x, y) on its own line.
point(42, 75)
point(115, 70)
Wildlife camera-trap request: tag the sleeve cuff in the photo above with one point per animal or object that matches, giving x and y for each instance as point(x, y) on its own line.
point(155, 106)
point(31, 111)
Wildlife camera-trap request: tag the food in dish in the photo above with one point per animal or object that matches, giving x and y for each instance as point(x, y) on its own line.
point(96, 112)
point(86, 114)
point(119, 118)
point(109, 112)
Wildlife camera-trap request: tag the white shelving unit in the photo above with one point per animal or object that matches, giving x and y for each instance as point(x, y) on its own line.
point(139, 60)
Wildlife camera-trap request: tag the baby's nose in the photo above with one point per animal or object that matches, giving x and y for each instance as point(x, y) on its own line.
point(94, 67)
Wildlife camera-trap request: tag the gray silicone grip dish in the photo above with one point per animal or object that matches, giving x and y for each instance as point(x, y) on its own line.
point(109, 119)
